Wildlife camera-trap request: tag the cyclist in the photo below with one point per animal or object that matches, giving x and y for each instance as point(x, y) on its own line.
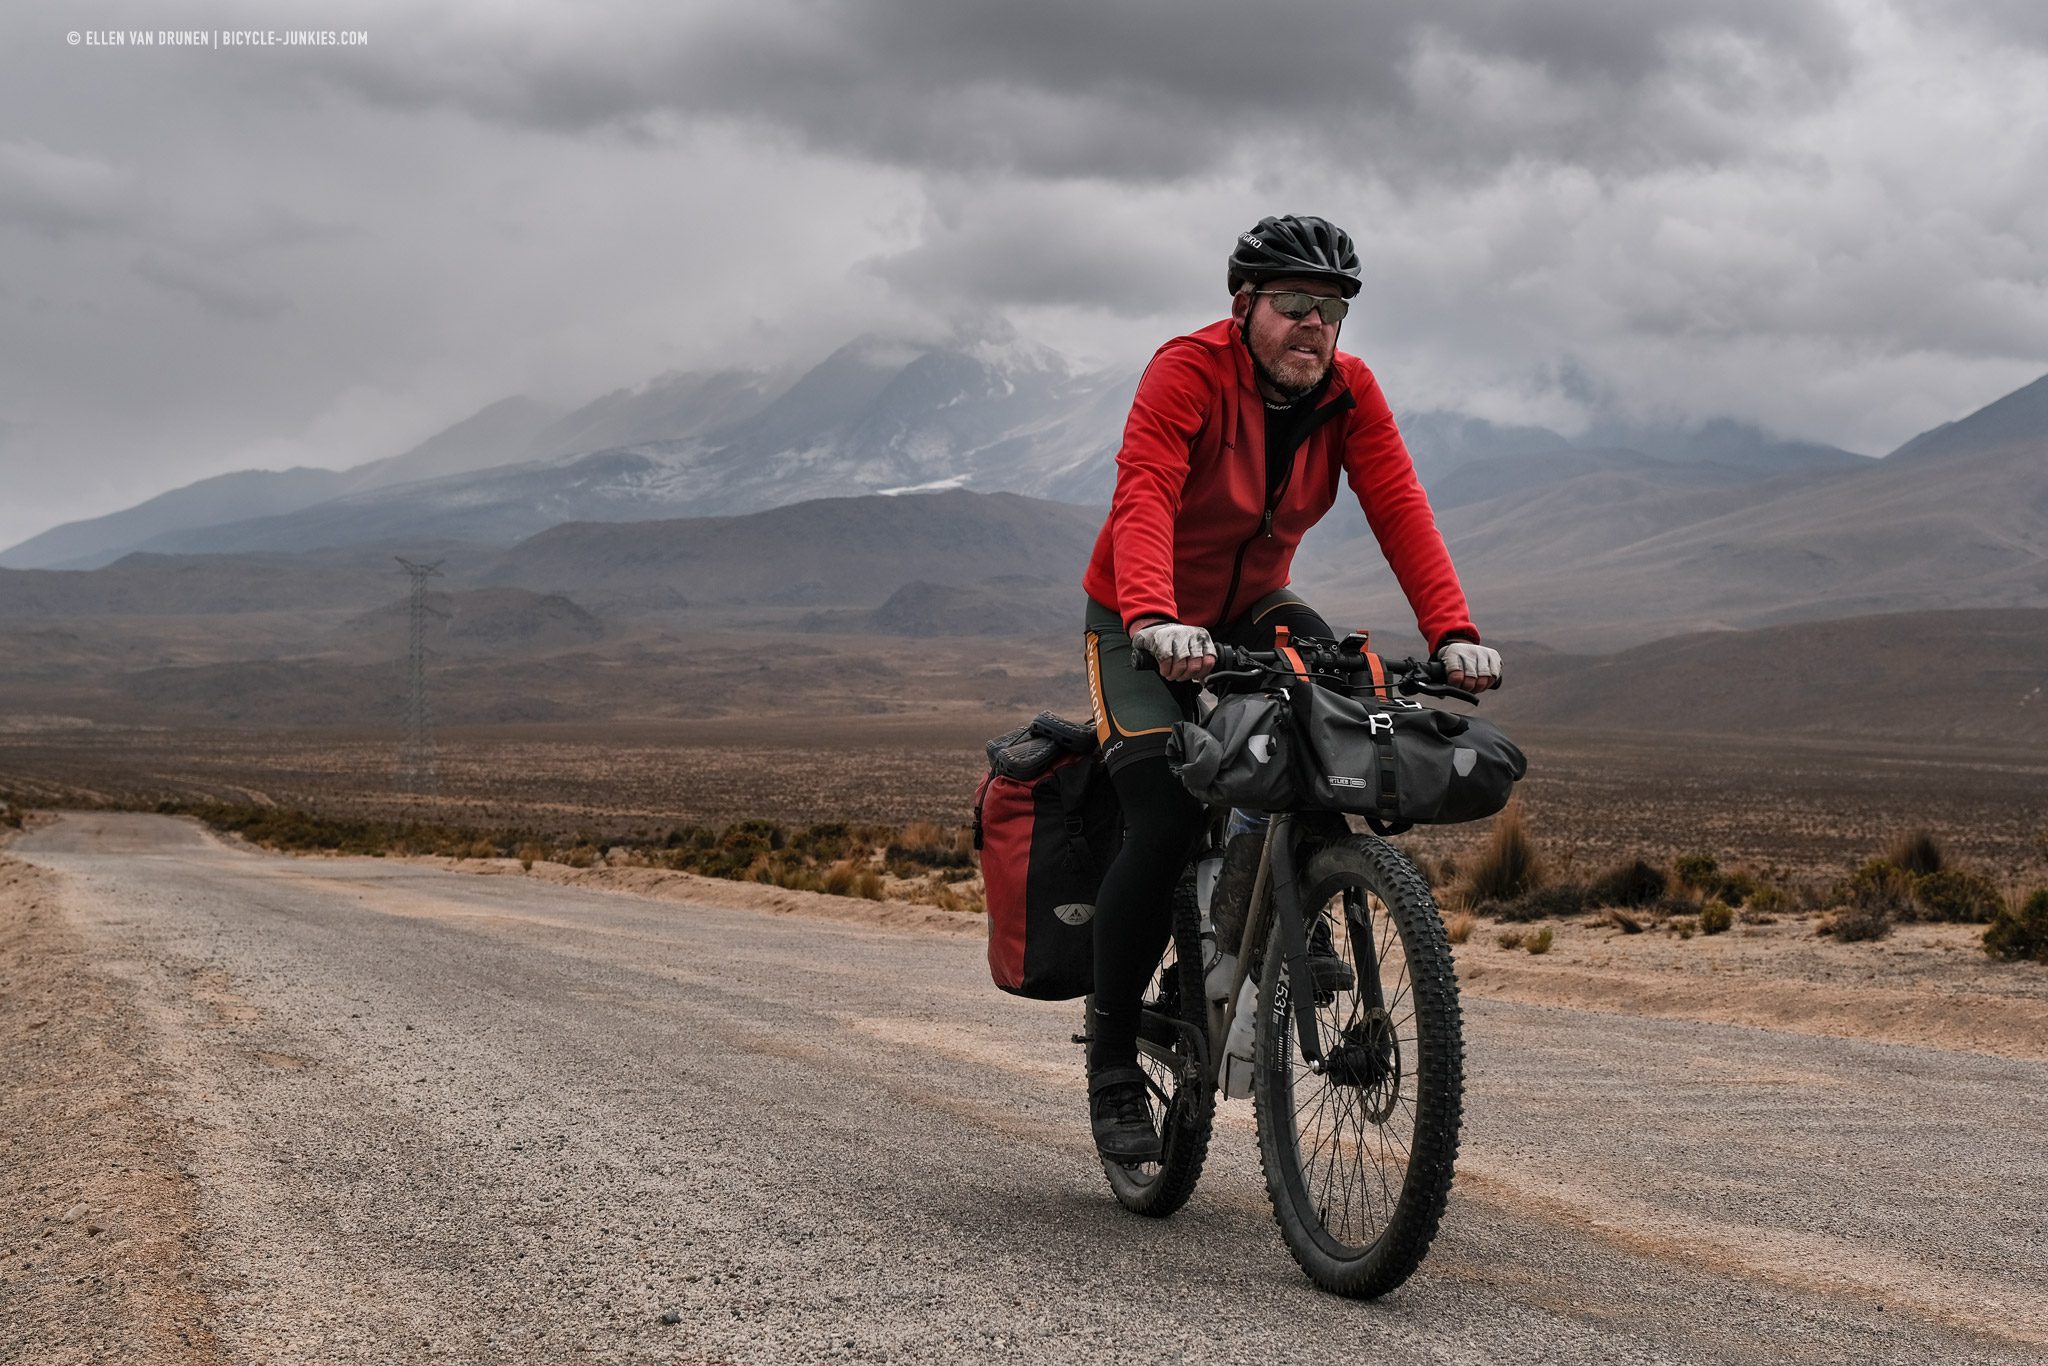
point(1233, 450)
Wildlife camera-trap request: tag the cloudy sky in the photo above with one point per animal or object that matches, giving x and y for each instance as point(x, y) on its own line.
point(1826, 216)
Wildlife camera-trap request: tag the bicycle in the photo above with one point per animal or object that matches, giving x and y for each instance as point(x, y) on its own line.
point(1357, 1091)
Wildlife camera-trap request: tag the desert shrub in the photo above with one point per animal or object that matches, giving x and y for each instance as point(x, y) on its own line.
point(1735, 888)
point(825, 842)
point(1696, 870)
point(1459, 927)
point(1541, 903)
point(840, 878)
point(582, 856)
point(530, 854)
point(764, 834)
point(922, 845)
point(1446, 871)
point(1716, 917)
point(1508, 866)
point(10, 818)
point(1878, 885)
point(1957, 894)
point(1766, 900)
point(1540, 941)
point(1685, 927)
point(1918, 853)
point(1623, 921)
point(2020, 933)
point(1628, 884)
point(1510, 939)
point(868, 885)
point(1856, 923)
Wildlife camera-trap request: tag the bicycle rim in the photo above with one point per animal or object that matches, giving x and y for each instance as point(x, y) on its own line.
point(1182, 1101)
point(1358, 1154)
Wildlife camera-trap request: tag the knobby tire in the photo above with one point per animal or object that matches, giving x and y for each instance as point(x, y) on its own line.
point(1187, 1116)
point(1358, 1160)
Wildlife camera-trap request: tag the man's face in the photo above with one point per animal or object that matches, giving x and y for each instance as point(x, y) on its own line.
point(1296, 351)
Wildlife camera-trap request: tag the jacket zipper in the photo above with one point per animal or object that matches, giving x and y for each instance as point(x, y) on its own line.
point(1273, 497)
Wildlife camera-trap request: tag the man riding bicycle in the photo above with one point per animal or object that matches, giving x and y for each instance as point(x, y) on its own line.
point(1233, 449)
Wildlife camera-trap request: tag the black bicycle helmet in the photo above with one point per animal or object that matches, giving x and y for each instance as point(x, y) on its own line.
point(1291, 245)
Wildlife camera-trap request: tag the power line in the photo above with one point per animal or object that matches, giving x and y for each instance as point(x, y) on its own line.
point(416, 746)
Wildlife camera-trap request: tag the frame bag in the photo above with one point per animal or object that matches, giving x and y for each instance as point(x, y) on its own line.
point(1047, 824)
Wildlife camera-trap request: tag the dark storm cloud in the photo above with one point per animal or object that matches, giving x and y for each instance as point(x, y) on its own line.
point(1158, 90)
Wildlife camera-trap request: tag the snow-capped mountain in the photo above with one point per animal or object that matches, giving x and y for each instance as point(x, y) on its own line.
point(876, 416)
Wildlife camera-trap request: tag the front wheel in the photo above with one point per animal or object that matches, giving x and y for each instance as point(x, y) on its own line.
point(1358, 1151)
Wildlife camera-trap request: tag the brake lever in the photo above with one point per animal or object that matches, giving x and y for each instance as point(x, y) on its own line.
point(1410, 686)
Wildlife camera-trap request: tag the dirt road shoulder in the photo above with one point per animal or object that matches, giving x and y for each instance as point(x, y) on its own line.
point(1929, 986)
point(98, 1220)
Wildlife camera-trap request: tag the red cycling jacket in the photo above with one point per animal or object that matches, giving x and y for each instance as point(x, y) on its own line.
point(1189, 535)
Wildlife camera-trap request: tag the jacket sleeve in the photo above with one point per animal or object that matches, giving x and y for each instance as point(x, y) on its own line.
point(1173, 401)
point(1382, 474)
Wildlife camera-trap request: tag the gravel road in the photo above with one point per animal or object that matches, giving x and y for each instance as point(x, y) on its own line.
point(436, 1117)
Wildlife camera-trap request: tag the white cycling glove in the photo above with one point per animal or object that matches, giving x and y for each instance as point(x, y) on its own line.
point(1473, 661)
point(1172, 640)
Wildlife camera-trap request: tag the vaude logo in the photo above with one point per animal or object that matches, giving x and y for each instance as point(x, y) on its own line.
point(1261, 747)
point(1075, 912)
point(1335, 781)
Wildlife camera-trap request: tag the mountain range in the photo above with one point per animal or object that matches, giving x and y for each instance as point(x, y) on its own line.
point(921, 490)
point(875, 416)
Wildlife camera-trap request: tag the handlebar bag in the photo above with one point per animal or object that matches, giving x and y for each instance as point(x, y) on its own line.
point(1399, 762)
point(1047, 824)
point(1242, 754)
point(1311, 748)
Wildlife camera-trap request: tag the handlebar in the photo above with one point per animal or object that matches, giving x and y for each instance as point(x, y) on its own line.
point(1328, 659)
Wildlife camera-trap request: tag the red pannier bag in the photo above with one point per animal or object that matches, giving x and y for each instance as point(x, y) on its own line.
point(1047, 824)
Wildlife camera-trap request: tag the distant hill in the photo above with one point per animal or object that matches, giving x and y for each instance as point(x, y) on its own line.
point(1911, 678)
point(99, 541)
point(198, 585)
point(486, 621)
point(2020, 419)
point(496, 435)
point(831, 552)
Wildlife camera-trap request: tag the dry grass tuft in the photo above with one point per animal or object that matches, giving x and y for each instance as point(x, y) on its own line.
point(1508, 866)
point(1540, 941)
point(1510, 939)
point(1623, 921)
point(1459, 927)
point(1918, 852)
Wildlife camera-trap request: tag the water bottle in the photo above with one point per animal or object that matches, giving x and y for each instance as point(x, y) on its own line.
point(1206, 872)
point(1237, 1048)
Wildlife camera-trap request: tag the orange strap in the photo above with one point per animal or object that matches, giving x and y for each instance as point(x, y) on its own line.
point(1283, 648)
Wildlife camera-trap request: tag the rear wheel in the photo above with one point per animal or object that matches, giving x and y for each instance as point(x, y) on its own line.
point(1172, 1052)
point(1358, 1151)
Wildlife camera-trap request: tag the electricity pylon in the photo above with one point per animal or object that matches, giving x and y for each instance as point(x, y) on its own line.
point(416, 746)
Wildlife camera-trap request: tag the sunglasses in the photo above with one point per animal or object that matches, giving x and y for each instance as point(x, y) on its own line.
point(1294, 305)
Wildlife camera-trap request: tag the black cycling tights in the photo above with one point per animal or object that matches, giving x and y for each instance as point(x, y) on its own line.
point(1134, 909)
